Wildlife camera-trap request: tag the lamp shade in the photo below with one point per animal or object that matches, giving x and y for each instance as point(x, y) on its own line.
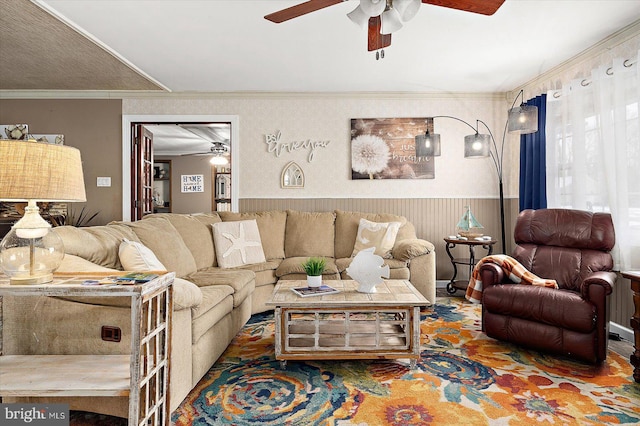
point(34, 171)
point(477, 146)
point(523, 119)
point(391, 21)
point(40, 171)
point(428, 145)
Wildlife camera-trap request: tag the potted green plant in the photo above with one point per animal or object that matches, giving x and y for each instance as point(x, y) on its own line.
point(314, 266)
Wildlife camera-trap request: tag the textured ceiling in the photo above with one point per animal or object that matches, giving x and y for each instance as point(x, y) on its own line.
point(227, 46)
point(38, 52)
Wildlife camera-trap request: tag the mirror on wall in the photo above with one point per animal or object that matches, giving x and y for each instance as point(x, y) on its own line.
point(292, 176)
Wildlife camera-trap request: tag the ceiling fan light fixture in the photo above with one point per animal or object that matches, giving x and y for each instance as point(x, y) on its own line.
point(219, 160)
point(359, 17)
point(407, 8)
point(391, 21)
point(373, 7)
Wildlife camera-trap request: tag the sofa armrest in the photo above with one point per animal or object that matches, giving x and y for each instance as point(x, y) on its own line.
point(491, 274)
point(71, 263)
point(411, 248)
point(186, 294)
point(596, 284)
point(422, 275)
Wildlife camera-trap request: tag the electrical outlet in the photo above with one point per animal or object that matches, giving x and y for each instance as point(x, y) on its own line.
point(111, 333)
point(104, 181)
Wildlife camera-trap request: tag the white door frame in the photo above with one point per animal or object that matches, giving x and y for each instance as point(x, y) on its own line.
point(126, 150)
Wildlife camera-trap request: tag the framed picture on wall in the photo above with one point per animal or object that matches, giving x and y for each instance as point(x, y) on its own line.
point(385, 148)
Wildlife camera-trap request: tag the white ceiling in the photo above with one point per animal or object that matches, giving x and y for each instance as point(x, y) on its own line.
point(174, 139)
point(227, 45)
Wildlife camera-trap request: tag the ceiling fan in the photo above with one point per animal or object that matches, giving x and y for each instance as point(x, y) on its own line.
point(219, 152)
point(382, 17)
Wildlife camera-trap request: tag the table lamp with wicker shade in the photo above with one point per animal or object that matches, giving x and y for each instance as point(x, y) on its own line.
point(33, 171)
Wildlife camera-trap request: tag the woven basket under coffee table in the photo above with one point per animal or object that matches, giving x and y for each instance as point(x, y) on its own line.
point(349, 324)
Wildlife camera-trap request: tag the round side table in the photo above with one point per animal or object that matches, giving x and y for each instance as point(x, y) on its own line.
point(454, 285)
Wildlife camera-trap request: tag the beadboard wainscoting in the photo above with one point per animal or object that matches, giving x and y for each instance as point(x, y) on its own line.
point(434, 219)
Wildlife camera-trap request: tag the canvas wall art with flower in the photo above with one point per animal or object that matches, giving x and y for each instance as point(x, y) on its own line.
point(384, 148)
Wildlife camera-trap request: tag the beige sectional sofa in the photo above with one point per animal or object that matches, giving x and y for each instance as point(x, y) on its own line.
point(211, 304)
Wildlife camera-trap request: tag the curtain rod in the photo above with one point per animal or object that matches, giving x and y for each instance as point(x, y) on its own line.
point(628, 63)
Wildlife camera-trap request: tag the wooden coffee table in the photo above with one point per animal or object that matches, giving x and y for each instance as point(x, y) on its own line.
point(349, 324)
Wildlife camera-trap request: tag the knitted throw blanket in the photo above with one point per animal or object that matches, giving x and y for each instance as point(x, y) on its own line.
point(512, 268)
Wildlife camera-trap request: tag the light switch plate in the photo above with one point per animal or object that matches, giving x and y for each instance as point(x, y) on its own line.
point(104, 181)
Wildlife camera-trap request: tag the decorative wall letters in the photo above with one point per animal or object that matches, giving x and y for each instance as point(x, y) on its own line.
point(275, 145)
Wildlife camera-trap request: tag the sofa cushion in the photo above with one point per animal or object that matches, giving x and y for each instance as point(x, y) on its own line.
point(195, 234)
point(209, 219)
point(135, 256)
point(271, 225)
point(242, 282)
point(217, 301)
point(71, 263)
point(163, 239)
point(267, 277)
point(97, 244)
point(293, 265)
point(380, 235)
point(270, 265)
point(237, 243)
point(347, 228)
point(343, 264)
point(309, 234)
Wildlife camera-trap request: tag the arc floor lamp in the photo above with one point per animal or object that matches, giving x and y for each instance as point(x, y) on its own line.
point(522, 120)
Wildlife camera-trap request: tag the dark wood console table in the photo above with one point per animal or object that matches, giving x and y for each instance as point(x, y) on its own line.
point(634, 276)
point(453, 285)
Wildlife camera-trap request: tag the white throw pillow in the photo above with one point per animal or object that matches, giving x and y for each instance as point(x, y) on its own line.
point(237, 243)
point(381, 235)
point(136, 256)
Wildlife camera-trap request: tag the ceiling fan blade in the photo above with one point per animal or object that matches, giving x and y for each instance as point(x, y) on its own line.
point(299, 10)
point(375, 40)
point(484, 7)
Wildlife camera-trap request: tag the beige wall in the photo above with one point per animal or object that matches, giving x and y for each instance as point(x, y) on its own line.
point(94, 127)
point(326, 117)
point(189, 202)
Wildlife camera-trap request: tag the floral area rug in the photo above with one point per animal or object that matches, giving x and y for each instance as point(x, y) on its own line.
point(462, 378)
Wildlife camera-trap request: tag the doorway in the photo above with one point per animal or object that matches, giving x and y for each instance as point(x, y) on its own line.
point(128, 120)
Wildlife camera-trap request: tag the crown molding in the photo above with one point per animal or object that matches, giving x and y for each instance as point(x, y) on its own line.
point(624, 34)
point(59, 94)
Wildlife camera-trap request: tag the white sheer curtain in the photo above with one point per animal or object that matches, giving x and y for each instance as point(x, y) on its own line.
point(593, 151)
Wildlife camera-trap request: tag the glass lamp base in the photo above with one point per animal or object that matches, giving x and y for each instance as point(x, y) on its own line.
point(31, 279)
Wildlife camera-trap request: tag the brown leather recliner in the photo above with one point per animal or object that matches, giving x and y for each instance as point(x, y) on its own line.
point(572, 247)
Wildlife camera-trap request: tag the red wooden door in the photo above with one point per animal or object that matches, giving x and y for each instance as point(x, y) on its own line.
point(141, 172)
